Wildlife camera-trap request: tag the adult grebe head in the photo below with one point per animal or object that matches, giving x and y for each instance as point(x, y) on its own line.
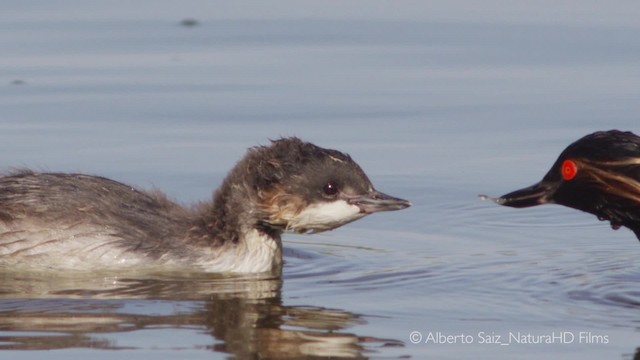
point(598, 174)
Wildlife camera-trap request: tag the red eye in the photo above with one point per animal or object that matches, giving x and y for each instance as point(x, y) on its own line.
point(569, 170)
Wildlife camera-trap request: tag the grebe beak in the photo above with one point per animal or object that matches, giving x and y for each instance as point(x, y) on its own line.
point(533, 195)
point(375, 201)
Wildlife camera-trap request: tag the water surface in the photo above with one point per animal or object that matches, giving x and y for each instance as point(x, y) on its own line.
point(437, 101)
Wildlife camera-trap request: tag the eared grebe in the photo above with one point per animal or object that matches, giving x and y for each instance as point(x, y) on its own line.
point(599, 174)
point(75, 221)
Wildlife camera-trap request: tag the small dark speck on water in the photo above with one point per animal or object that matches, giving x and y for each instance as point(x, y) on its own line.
point(18, 82)
point(188, 22)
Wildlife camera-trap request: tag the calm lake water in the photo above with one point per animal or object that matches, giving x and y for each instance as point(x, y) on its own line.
point(437, 101)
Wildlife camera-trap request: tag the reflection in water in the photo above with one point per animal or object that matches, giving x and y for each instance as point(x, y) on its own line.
point(244, 315)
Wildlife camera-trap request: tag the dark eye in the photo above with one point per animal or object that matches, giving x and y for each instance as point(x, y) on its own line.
point(330, 188)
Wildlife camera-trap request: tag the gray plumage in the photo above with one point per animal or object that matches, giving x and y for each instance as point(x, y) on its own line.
point(57, 220)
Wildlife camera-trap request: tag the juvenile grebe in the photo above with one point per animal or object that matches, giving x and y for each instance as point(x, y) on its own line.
point(75, 221)
point(599, 174)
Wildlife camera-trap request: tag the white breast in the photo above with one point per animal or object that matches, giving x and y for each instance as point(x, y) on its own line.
point(257, 253)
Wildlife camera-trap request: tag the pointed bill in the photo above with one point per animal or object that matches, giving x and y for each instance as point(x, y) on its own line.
point(533, 195)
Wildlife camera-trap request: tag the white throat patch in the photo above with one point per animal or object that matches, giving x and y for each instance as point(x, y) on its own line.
point(324, 216)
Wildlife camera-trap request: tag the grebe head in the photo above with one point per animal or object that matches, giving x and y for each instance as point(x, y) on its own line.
point(598, 174)
point(297, 186)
